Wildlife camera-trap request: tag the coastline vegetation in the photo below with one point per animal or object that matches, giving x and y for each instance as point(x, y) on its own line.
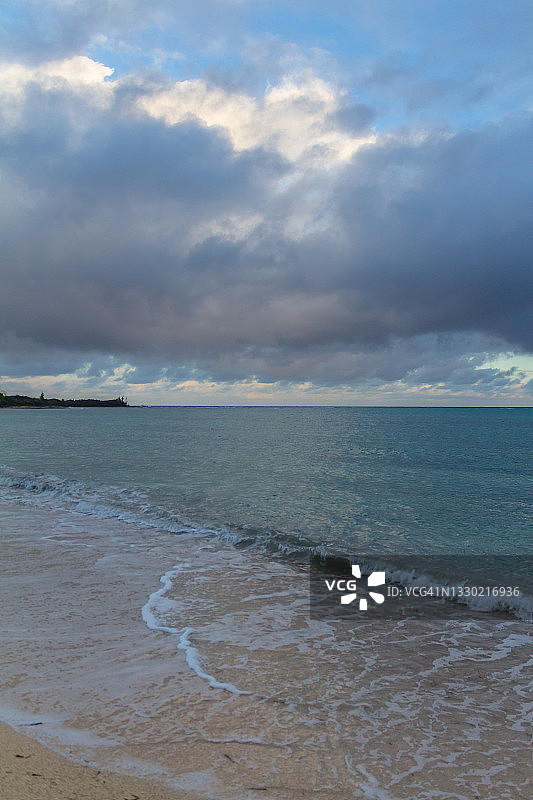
point(23, 401)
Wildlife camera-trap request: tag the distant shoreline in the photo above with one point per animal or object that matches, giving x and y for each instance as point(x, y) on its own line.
point(23, 401)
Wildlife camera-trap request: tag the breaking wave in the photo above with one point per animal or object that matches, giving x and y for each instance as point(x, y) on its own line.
point(134, 506)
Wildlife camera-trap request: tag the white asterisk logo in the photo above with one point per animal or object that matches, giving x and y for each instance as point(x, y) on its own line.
point(375, 579)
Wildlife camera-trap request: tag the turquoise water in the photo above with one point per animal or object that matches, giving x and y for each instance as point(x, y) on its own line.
point(163, 552)
point(383, 479)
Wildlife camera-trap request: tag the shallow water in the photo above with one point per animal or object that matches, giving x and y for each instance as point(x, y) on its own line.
point(217, 680)
point(388, 479)
point(179, 646)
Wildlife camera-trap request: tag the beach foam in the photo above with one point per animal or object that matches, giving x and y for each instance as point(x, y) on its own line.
point(185, 656)
point(133, 506)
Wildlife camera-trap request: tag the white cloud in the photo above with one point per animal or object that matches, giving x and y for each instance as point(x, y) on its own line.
point(74, 72)
point(79, 75)
point(293, 117)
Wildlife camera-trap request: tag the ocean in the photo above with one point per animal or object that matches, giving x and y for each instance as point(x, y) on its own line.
point(158, 615)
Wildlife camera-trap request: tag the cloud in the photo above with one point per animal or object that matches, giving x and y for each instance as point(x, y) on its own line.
point(240, 236)
point(440, 232)
point(303, 119)
point(75, 72)
point(40, 30)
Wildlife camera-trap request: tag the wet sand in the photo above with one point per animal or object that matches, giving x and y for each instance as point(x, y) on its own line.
point(107, 690)
point(126, 671)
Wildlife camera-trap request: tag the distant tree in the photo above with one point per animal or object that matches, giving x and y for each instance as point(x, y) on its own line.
point(42, 395)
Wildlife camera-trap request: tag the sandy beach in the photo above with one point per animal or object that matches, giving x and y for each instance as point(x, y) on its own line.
point(193, 666)
point(30, 770)
point(84, 674)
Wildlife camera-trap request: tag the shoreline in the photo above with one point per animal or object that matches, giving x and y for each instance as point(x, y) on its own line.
point(30, 769)
point(120, 639)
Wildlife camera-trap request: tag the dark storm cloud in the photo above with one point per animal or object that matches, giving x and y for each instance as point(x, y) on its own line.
point(99, 258)
point(125, 236)
point(441, 233)
point(23, 357)
point(454, 360)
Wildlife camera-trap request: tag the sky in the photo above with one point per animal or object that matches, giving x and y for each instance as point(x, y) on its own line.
point(250, 202)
